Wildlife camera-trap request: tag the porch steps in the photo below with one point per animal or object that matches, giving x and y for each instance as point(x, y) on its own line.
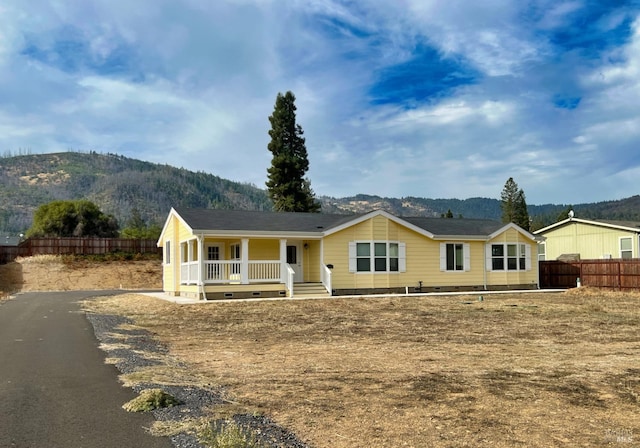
point(309, 290)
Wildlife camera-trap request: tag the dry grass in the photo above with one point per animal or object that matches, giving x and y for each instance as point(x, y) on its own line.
point(67, 273)
point(514, 370)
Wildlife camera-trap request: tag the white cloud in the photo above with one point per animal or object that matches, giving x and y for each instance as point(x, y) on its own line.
point(192, 84)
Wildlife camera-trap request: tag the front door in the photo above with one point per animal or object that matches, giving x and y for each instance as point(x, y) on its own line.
point(294, 259)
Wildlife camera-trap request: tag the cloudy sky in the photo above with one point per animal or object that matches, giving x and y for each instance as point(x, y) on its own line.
point(429, 98)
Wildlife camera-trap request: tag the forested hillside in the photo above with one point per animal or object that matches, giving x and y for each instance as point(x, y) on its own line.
point(119, 185)
point(116, 184)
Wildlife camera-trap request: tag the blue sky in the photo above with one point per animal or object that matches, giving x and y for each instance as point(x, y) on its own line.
point(405, 98)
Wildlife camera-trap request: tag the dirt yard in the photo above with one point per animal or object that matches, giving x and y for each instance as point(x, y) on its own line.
point(528, 370)
point(53, 273)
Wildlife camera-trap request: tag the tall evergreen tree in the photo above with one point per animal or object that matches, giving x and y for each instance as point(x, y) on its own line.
point(521, 212)
point(514, 205)
point(288, 189)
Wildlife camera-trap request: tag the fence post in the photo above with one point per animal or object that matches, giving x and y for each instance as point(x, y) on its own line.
point(619, 277)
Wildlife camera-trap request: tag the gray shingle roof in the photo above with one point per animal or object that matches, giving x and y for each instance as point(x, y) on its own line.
point(259, 221)
point(631, 224)
point(459, 227)
point(256, 221)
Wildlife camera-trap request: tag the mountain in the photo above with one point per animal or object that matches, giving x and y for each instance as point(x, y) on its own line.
point(116, 184)
point(119, 184)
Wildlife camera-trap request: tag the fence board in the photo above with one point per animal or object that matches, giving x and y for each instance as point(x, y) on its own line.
point(77, 246)
point(612, 273)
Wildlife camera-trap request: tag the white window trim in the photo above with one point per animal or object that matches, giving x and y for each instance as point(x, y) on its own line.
point(466, 257)
point(353, 258)
point(620, 251)
point(527, 257)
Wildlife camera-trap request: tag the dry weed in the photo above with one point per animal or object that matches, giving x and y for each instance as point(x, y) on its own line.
point(528, 370)
point(40, 259)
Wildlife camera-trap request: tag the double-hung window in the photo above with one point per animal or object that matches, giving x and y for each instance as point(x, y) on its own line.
point(626, 247)
point(509, 257)
point(376, 256)
point(455, 257)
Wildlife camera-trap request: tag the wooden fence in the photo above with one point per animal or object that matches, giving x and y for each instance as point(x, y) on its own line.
point(77, 246)
point(620, 274)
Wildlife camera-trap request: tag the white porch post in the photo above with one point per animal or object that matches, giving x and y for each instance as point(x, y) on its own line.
point(244, 259)
point(283, 261)
point(321, 257)
point(201, 275)
point(189, 258)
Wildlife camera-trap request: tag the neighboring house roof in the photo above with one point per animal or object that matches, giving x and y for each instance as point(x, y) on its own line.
point(10, 240)
point(319, 224)
point(631, 226)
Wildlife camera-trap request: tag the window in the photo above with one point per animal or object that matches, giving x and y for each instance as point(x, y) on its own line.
point(455, 257)
point(167, 252)
point(376, 256)
point(213, 253)
point(235, 252)
point(542, 251)
point(363, 253)
point(626, 247)
point(509, 257)
point(497, 257)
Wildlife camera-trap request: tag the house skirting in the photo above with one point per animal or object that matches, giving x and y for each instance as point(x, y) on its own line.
point(222, 292)
point(429, 289)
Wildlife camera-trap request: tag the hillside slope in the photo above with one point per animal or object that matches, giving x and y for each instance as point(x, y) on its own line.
point(116, 184)
point(120, 184)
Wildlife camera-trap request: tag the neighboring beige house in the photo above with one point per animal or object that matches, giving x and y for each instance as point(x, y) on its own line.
point(215, 254)
point(589, 239)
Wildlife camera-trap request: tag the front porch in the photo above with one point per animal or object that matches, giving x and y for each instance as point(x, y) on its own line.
point(215, 268)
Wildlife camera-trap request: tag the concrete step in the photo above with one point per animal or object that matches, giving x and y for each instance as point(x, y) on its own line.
point(310, 290)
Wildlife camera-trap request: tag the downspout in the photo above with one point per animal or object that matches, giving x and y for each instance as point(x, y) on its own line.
point(537, 263)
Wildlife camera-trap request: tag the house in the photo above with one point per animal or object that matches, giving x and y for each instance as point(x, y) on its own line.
point(215, 254)
point(589, 239)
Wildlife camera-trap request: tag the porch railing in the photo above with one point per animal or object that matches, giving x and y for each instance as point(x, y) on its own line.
point(325, 278)
point(289, 280)
point(189, 273)
point(230, 271)
point(264, 271)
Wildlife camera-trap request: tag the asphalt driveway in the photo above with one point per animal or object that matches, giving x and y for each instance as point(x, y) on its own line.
point(55, 389)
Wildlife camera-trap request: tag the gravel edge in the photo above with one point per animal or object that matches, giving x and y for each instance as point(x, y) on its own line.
point(195, 399)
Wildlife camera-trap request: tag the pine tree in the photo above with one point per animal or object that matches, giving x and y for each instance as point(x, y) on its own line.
point(288, 189)
point(521, 212)
point(514, 205)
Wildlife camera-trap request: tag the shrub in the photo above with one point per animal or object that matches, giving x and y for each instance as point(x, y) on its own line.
point(151, 399)
point(227, 434)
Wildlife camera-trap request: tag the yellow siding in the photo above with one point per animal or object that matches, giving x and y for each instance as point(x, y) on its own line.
point(422, 258)
point(591, 242)
point(264, 249)
point(311, 261)
point(174, 233)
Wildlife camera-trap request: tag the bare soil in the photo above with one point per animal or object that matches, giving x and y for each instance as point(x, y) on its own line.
point(531, 370)
point(53, 273)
